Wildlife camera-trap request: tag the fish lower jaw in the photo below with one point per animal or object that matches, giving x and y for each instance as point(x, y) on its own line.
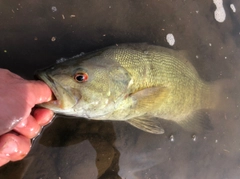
point(52, 105)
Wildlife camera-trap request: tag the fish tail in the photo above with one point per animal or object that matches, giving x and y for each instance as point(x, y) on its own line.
point(221, 96)
point(217, 96)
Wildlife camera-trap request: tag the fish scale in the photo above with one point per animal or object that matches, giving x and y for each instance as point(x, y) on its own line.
point(137, 83)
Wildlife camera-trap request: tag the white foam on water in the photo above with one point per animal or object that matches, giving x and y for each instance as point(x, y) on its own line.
point(54, 8)
point(233, 7)
point(219, 13)
point(170, 39)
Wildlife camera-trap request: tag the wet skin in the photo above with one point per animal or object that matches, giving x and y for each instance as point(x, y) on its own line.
point(17, 117)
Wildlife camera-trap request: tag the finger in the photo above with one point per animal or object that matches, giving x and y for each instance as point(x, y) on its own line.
point(13, 147)
point(3, 161)
point(28, 127)
point(43, 116)
point(39, 92)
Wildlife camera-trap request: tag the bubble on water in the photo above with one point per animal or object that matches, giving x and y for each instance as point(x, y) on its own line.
point(53, 39)
point(54, 8)
point(219, 13)
point(194, 137)
point(171, 138)
point(170, 39)
point(233, 7)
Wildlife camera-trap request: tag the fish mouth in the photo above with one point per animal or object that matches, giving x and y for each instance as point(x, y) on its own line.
point(51, 84)
point(58, 101)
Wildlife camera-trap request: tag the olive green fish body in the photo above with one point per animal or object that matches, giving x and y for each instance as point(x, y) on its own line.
point(180, 89)
point(137, 83)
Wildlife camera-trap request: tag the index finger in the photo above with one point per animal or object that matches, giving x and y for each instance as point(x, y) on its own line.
point(39, 92)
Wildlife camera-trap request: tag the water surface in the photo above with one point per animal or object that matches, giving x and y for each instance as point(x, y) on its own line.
point(34, 34)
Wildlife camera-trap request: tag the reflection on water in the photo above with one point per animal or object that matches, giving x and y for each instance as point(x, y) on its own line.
point(78, 148)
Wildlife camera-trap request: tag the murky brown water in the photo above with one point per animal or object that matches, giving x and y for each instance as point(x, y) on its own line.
point(34, 34)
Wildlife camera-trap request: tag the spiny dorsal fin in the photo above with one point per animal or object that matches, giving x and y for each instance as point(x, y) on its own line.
point(196, 122)
point(147, 124)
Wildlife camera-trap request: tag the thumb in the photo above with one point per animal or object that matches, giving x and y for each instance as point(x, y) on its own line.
point(39, 92)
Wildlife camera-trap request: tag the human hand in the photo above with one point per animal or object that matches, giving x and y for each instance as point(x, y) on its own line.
point(17, 99)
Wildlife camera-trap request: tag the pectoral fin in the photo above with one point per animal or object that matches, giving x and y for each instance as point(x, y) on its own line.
point(196, 122)
point(149, 99)
point(147, 124)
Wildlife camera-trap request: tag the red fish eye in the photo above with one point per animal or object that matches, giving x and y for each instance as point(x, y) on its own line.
point(81, 77)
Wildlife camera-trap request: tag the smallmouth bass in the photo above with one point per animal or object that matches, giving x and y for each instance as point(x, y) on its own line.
point(137, 83)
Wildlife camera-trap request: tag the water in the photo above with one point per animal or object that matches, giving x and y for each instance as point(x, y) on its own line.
point(78, 148)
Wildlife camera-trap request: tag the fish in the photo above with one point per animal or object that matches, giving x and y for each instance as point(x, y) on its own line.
point(139, 83)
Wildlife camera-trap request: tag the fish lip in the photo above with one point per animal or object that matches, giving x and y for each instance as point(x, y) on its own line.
point(51, 84)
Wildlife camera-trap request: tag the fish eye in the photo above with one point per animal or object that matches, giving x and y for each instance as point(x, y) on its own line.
point(81, 77)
